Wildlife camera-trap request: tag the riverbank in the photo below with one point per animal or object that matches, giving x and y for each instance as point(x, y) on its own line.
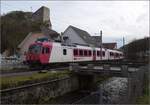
point(144, 99)
point(11, 82)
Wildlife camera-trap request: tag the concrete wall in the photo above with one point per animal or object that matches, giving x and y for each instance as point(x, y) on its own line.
point(73, 36)
point(40, 93)
point(38, 15)
point(31, 38)
point(42, 15)
point(46, 14)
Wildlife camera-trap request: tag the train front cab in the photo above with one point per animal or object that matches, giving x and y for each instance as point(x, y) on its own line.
point(38, 53)
point(32, 56)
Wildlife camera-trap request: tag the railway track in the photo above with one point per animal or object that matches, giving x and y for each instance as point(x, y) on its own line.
point(117, 63)
point(30, 72)
point(123, 62)
point(65, 66)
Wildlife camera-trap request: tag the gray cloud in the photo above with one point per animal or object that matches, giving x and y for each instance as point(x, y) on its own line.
point(115, 18)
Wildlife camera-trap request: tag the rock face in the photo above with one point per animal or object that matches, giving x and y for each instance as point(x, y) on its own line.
point(40, 93)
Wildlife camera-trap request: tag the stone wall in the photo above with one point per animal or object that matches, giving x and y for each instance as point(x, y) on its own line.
point(41, 93)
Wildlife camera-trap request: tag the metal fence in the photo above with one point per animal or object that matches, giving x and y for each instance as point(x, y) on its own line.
point(10, 62)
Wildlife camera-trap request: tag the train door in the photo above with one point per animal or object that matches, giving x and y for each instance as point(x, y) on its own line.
point(67, 54)
point(94, 55)
point(45, 54)
point(108, 54)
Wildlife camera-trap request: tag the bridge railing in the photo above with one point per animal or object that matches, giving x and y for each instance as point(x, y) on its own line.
point(105, 68)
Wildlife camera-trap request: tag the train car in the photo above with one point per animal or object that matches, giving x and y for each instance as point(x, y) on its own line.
point(46, 52)
point(114, 54)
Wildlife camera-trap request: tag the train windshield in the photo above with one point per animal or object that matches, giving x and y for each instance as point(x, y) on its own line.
point(35, 49)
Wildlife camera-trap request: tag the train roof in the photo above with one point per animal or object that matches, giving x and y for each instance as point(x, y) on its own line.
point(114, 51)
point(78, 46)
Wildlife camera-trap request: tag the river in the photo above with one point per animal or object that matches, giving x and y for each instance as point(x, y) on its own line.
point(114, 92)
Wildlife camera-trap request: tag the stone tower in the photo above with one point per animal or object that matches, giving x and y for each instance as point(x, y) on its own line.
point(42, 15)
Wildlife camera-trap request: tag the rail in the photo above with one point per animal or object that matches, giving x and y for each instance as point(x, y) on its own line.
point(120, 62)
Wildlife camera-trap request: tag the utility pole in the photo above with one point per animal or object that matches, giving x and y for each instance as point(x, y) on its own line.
point(123, 44)
point(31, 8)
point(101, 44)
point(123, 41)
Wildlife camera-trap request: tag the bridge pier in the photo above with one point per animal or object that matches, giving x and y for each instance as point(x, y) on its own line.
point(135, 84)
point(86, 82)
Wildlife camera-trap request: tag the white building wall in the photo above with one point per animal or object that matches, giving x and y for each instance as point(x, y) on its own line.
point(74, 37)
point(31, 38)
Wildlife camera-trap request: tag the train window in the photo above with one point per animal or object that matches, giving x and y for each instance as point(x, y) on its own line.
point(103, 53)
point(85, 52)
point(75, 52)
point(43, 50)
point(98, 53)
point(111, 54)
point(47, 50)
point(64, 52)
point(81, 52)
point(90, 53)
point(117, 55)
point(35, 48)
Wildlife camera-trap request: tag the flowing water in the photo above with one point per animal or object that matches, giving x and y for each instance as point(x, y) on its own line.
point(114, 90)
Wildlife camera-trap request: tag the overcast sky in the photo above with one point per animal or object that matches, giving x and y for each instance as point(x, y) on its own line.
point(115, 18)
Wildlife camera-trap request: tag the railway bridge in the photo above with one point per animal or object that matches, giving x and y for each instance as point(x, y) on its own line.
point(87, 76)
point(84, 78)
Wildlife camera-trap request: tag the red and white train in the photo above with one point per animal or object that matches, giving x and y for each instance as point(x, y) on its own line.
point(46, 52)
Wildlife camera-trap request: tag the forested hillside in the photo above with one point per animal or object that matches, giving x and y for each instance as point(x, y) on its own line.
point(137, 48)
point(14, 28)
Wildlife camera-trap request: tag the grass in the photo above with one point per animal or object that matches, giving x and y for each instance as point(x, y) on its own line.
point(9, 82)
point(143, 99)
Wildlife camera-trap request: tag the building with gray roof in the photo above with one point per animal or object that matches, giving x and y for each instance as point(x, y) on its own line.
point(78, 36)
